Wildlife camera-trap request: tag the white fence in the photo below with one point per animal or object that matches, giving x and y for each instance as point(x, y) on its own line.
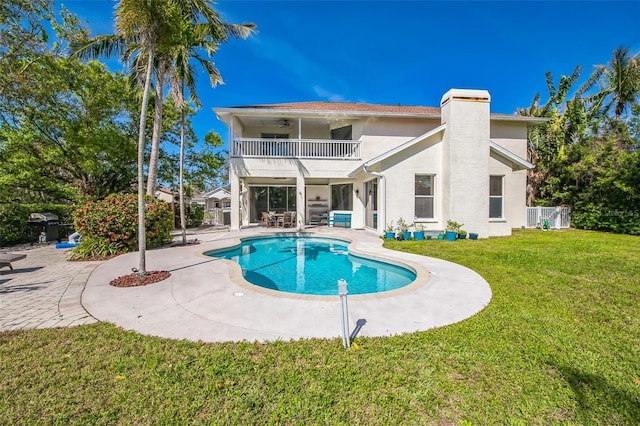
point(216, 216)
point(557, 217)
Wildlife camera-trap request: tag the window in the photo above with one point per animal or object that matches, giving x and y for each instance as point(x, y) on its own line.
point(496, 203)
point(424, 197)
point(342, 133)
point(275, 135)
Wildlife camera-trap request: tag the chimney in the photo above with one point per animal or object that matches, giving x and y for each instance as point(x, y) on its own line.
point(466, 158)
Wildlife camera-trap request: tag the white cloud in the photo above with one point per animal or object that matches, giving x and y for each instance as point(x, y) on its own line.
point(309, 75)
point(333, 97)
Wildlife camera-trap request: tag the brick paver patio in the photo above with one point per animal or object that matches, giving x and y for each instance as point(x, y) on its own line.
point(44, 291)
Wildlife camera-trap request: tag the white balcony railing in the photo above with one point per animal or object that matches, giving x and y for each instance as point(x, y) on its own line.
point(296, 148)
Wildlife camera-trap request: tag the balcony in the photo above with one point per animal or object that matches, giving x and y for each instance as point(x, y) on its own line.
point(296, 148)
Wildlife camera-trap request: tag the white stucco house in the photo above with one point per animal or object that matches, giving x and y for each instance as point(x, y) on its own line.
point(381, 163)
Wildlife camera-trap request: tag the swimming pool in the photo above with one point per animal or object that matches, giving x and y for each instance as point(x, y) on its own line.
point(312, 265)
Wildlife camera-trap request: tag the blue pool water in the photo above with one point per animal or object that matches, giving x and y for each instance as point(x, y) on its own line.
point(312, 265)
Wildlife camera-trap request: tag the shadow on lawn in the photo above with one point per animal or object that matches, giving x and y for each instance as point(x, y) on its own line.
point(592, 390)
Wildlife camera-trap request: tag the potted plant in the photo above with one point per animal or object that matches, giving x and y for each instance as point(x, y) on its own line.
point(418, 232)
point(452, 230)
point(390, 232)
point(403, 229)
point(441, 236)
point(462, 234)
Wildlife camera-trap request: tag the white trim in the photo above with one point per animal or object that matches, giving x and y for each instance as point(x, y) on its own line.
point(278, 112)
point(501, 197)
point(517, 162)
point(314, 113)
point(208, 194)
point(398, 149)
point(432, 179)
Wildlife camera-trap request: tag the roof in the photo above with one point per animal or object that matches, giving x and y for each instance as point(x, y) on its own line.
point(399, 148)
point(217, 193)
point(517, 162)
point(346, 107)
point(357, 109)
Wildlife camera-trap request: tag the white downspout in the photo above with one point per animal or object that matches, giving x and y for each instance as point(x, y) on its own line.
point(382, 216)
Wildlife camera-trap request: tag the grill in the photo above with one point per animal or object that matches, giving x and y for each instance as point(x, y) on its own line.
point(45, 225)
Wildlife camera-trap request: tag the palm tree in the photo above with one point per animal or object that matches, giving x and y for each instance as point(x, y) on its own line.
point(195, 38)
point(140, 26)
point(199, 27)
point(620, 82)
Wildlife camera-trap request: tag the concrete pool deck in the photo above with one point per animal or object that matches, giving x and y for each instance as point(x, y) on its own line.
point(206, 298)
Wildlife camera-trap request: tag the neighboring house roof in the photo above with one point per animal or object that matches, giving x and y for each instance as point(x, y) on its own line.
point(356, 109)
point(517, 162)
point(218, 193)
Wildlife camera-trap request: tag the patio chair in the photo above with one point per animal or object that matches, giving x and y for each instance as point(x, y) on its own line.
point(268, 220)
point(288, 219)
point(7, 258)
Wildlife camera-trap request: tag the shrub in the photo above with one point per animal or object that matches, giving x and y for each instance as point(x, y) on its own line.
point(95, 248)
point(195, 215)
point(110, 226)
point(13, 226)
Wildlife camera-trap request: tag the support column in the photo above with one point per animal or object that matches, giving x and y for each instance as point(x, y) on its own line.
point(235, 199)
point(244, 204)
point(300, 203)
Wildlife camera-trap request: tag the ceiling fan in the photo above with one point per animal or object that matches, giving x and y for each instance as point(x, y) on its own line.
point(283, 123)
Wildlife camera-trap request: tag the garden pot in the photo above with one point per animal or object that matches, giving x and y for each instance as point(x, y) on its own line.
point(441, 237)
point(473, 235)
point(418, 235)
point(462, 236)
point(406, 235)
point(389, 235)
point(451, 236)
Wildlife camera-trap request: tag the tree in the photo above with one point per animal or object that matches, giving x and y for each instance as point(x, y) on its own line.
point(65, 127)
point(145, 32)
point(71, 137)
point(619, 82)
point(194, 38)
point(140, 26)
point(585, 155)
point(548, 142)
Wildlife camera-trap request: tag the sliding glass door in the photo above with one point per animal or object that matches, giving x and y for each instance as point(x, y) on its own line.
point(271, 199)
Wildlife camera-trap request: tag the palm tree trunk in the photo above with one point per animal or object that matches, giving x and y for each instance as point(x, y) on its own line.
point(183, 219)
point(142, 232)
point(157, 129)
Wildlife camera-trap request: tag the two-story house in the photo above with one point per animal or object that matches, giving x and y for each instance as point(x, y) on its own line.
point(381, 163)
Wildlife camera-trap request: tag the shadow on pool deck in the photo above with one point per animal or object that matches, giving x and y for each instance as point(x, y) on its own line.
point(207, 299)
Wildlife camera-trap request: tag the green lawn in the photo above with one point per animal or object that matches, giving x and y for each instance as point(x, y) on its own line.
point(559, 343)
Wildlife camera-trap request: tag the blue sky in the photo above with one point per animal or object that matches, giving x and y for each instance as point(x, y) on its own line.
point(401, 52)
